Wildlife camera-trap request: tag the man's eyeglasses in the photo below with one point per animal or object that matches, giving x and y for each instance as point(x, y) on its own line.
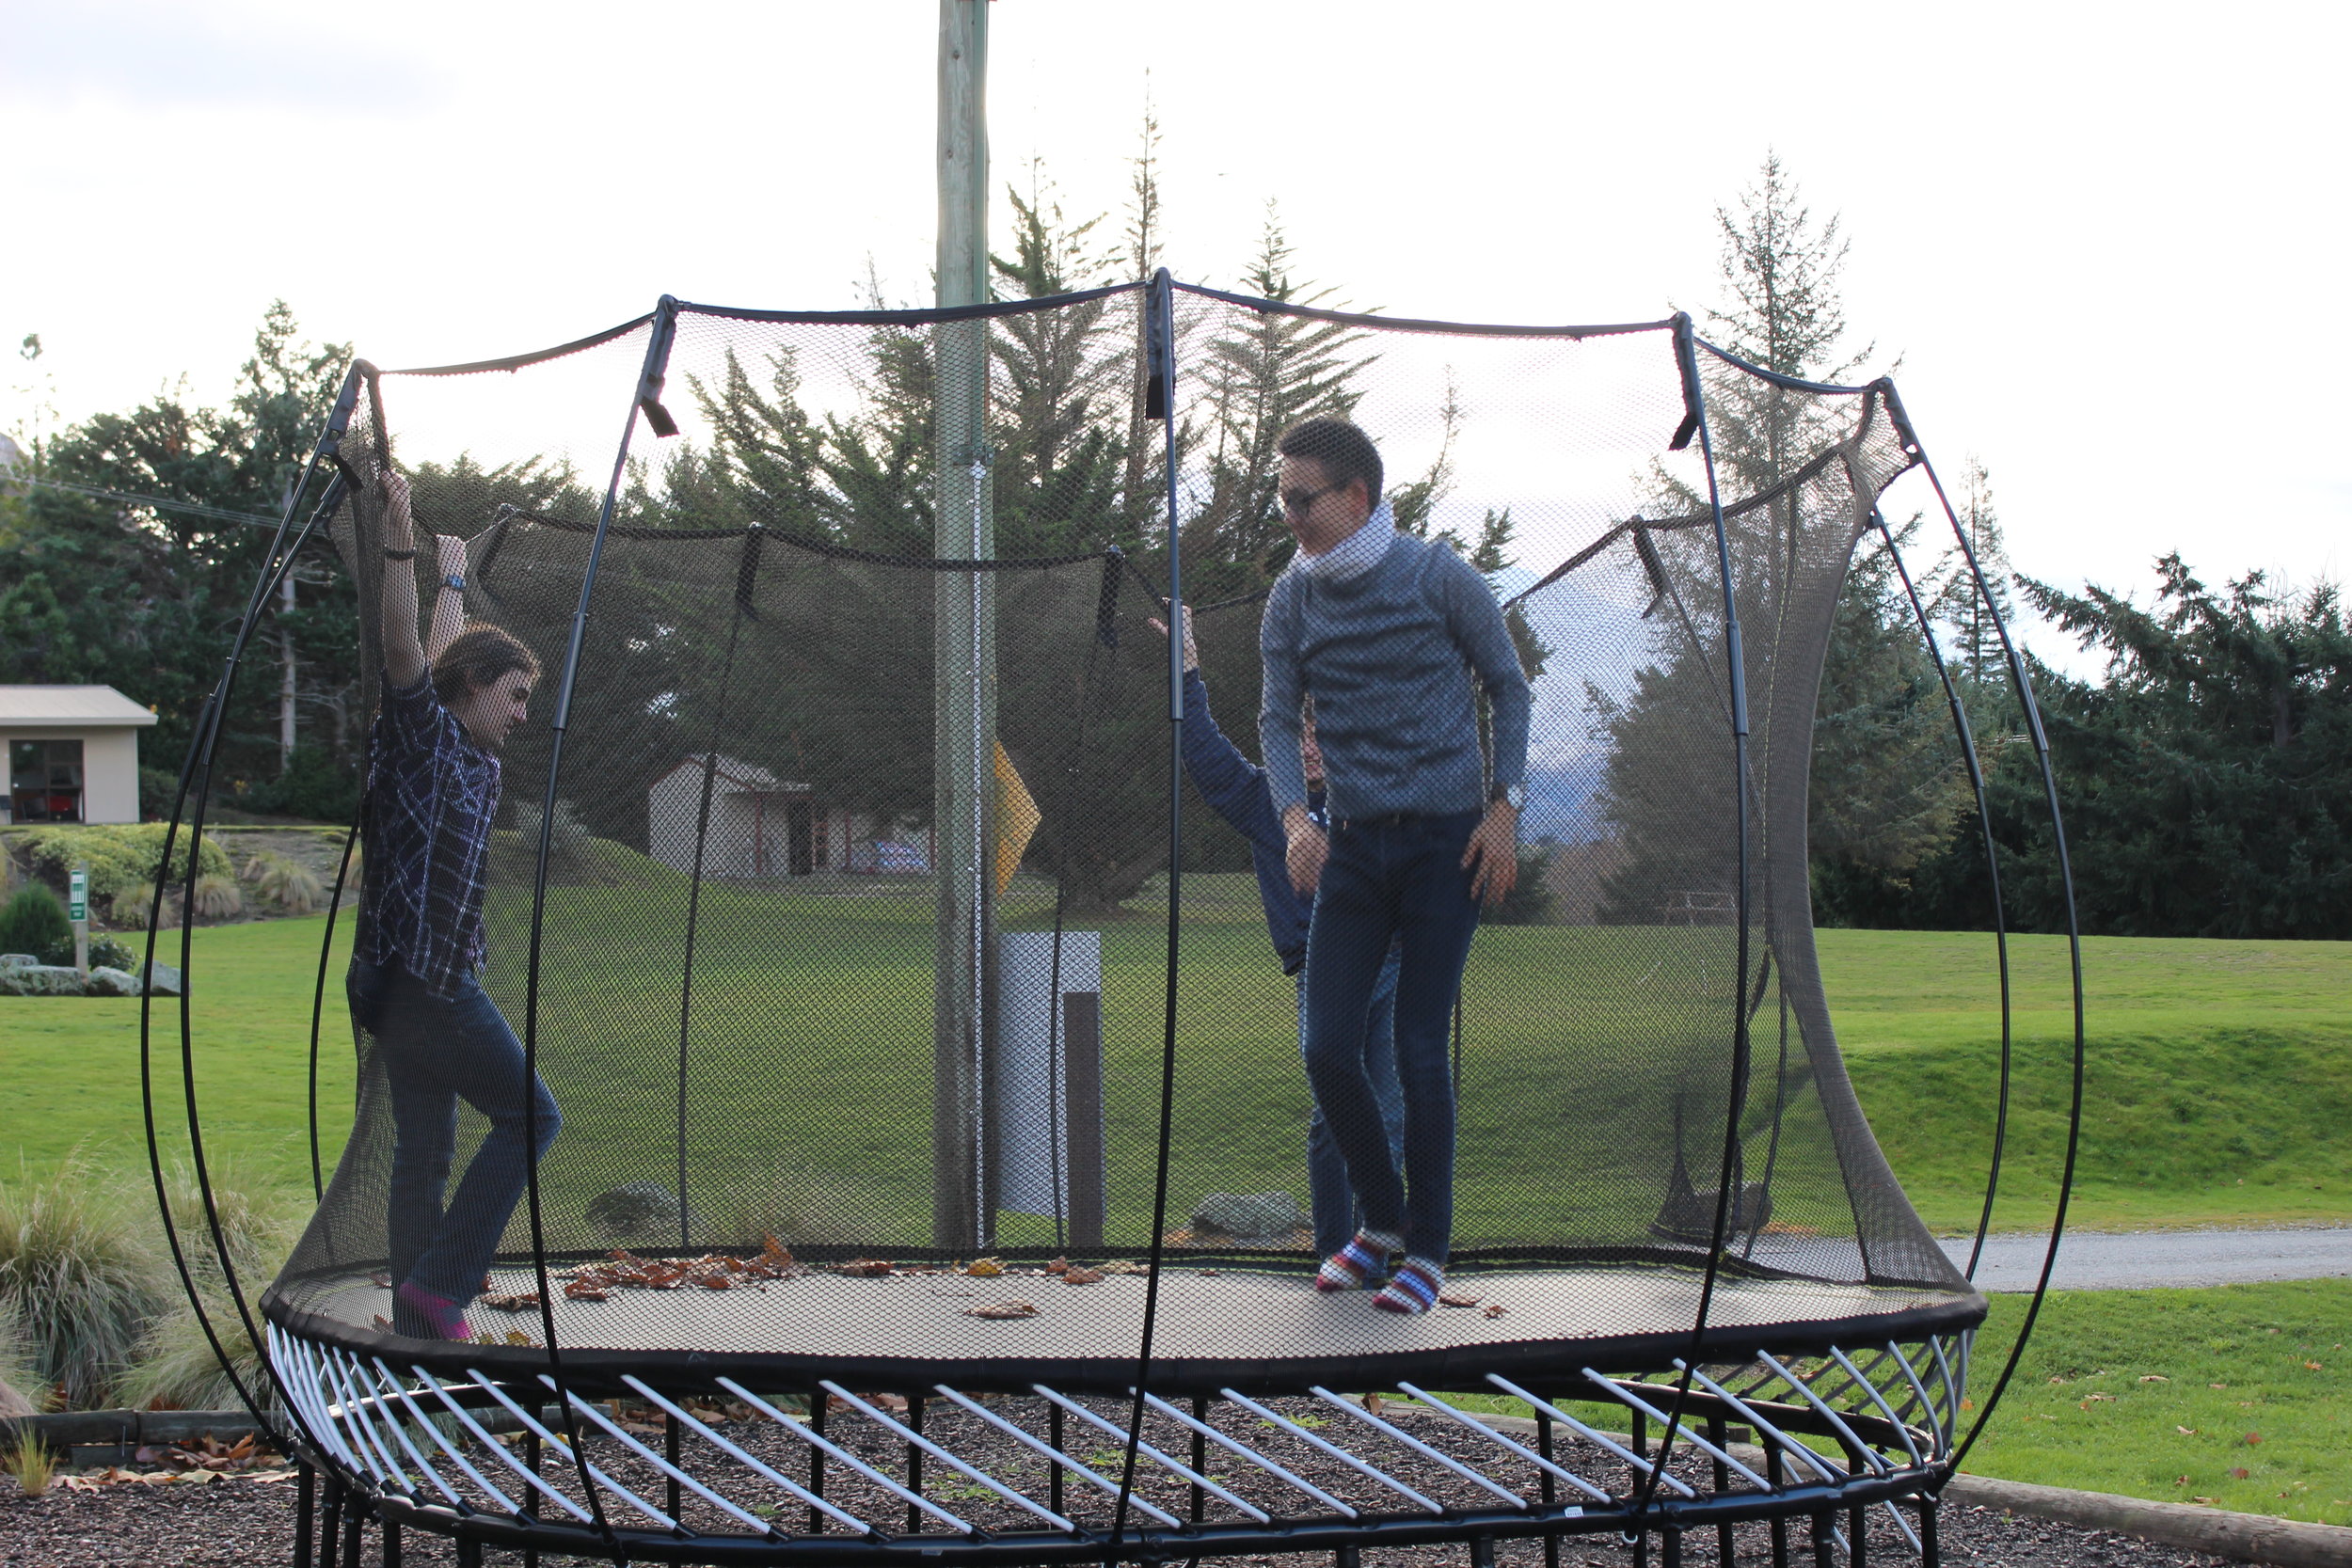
point(1297, 502)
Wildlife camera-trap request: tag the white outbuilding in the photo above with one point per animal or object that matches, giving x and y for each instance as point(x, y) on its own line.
point(74, 754)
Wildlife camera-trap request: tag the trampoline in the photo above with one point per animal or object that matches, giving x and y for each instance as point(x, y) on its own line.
point(914, 1024)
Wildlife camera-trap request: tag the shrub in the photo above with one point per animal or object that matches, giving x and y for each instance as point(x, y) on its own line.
point(314, 787)
point(32, 921)
point(78, 1266)
point(568, 852)
point(217, 896)
point(285, 881)
point(121, 858)
point(129, 910)
point(110, 954)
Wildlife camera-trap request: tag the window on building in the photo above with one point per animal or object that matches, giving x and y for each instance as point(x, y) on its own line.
point(45, 780)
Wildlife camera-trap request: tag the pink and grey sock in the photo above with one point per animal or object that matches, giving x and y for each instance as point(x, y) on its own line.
point(444, 1317)
point(1413, 1289)
point(1358, 1260)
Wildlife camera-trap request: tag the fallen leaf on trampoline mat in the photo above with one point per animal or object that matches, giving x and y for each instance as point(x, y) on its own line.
point(1059, 1265)
point(1001, 1309)
point(515, 1337)
point(381, 1278)
point(777, 1254)
point(1120, 1265)
point(1496, 1310)
point(521, 1301)
point(866, 1268)
point(383, 1324)
point(582, 1289)
point(985, 1268)
point(1454, 1298)
point(1082, 1276)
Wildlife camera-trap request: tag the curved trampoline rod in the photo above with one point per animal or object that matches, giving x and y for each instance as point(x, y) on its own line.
point(199, 760)
point(649, 379)
point(1160, 351)
point(1694, 396)
point(2041, 741)
point(318, 993)
point(1993, 869)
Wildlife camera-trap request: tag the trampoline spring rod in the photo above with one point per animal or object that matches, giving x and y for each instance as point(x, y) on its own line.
point(1669, 1431)
point(1038, 1445)
point(1949, 1409)
point(334, 1421)
point(1114, 1429)
point(1919, 1393)
point(680, 1420)
point(532, 1424)
point(1901, 1429)
point(1202, 1429)
point(670, 1471)
point(302, 1383)
point(1590, 1434)
point(1855, 1445)
point(824, 1445)
point(393, 1421)
point(490, 1445)
point(884, 1421)
point(443, 1442)
point(1351, 1461)
point(1360, 1412)
point(1747, 1412)
point(360, 1413)
point(1547, 1466)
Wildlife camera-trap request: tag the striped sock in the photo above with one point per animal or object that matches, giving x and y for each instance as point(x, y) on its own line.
point(1413, 1289)
point(1346, 1269)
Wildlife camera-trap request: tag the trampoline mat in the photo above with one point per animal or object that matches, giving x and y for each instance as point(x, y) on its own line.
point(1214, 1326)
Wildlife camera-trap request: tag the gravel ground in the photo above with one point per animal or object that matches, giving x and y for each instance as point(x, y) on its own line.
point(238, 1521)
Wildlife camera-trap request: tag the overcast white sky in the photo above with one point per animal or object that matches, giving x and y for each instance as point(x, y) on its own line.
point(2106, 240)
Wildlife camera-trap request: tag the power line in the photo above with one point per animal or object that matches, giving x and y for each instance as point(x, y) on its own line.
point(251, 520)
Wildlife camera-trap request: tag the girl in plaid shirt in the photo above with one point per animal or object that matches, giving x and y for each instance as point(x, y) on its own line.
point(433, 789)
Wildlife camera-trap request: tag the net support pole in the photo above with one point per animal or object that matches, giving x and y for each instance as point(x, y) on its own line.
point(964, 651)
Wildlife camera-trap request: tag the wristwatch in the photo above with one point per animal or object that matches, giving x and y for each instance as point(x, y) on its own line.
point(1513, 796)
point(453, 580)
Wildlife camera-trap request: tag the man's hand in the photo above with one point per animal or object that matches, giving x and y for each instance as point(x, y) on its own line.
point(1308, 849)
point(1494, 851)
point(1192, 653)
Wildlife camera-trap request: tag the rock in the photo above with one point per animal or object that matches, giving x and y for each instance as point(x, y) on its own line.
point(639, 1211)
point(107, 981)
point(1250, 1217)
point(17, 961)
point(164, 980)
point(40, 980)
point(13, 1404)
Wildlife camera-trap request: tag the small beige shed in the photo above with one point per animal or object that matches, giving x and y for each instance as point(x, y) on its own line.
point(74, 754)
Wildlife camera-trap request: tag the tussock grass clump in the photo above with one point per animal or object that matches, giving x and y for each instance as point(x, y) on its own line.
point(174, 1366)
point(80, 1268)
point(131, 906)
point(284, 882)
point(29, 1465)
point(20, 1393)
point(217, 896)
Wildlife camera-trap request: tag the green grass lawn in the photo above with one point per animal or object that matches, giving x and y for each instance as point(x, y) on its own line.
point(2239, 1396)
point(2220, 1073)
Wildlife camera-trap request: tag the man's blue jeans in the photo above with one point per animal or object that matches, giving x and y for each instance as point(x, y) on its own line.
point(437, 1051)
point(1334, 1201)
point(1392, 878)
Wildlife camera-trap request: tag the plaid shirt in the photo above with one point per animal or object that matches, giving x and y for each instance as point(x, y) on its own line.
point(431, 795)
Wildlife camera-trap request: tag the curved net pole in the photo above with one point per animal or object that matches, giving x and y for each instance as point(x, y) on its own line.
point(196, 775)
point(1694, 397)
point(1160, 400)
point(647, 400)
point(746, 576)
point(318, 993)
point(1993, 868)
point(2016, 661)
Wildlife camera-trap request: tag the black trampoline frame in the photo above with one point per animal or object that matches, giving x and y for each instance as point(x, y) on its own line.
point(351, 1495)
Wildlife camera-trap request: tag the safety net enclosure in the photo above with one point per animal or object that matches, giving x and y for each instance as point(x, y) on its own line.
point(735, 927)
point(912, 1023)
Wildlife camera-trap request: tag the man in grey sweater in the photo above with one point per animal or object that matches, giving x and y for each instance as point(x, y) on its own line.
point(1387, 632)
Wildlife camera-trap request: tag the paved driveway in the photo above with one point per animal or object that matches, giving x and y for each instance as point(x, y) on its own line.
point(2102, 1260)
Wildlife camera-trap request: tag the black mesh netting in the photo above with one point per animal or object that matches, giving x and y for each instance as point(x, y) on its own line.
point(745, 973)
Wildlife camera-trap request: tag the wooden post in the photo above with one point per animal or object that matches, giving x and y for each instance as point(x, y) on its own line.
point(964, 652)
point(77, 910)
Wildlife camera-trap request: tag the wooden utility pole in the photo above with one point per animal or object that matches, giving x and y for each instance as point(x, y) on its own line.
point(964, 652)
